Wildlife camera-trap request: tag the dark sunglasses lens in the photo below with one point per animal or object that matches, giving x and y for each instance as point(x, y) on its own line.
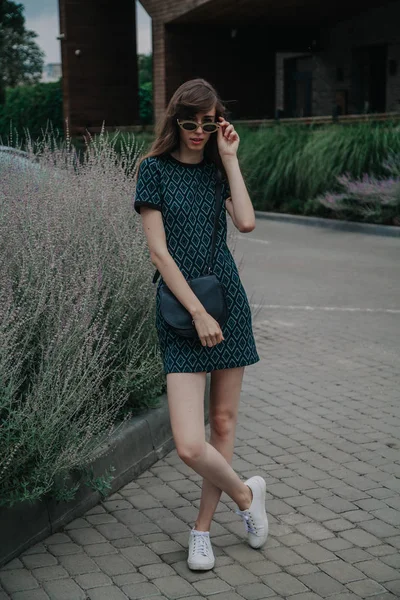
point(189, 126)
point(210, 127)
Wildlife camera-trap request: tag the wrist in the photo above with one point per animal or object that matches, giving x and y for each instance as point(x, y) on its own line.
point(196, 311)
point(230, 160)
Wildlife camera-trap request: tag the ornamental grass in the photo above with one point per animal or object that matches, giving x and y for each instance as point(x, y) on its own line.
point(288, 167)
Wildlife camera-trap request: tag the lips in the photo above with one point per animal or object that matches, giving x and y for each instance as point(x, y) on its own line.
point(196, 140)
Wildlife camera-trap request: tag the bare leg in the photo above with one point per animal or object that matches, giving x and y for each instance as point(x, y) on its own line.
point(186, 409)
point(224, 404)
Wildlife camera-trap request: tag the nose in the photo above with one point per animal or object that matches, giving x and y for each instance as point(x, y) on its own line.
point(199, 127)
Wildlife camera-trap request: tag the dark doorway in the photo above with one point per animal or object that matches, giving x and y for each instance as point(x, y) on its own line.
point(341, 102)
point(298, 87)
point(369, 79)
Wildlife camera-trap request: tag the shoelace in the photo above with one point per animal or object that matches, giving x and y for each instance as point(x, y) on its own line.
point(248, 521)
point(200, 545)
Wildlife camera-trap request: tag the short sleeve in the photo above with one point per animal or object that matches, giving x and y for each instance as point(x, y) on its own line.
point(148, 185)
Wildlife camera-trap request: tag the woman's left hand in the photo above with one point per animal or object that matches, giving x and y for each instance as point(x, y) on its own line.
point(228, 139)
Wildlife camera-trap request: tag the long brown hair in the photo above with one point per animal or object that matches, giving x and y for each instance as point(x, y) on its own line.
point(192, 97)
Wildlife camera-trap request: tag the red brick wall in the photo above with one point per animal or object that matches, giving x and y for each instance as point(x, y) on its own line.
point(101, 83)
point(372, 27)
point(161, 12)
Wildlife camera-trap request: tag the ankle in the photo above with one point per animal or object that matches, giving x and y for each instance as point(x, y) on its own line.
point(202, 527)
point(247, 499)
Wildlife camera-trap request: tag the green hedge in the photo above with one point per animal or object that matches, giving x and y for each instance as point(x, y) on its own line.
point(31, 107)
point(146, 103)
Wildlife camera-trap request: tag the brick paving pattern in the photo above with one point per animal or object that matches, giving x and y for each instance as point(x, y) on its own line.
point(319, 419)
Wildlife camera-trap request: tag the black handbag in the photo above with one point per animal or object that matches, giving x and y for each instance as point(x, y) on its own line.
point(207, 288)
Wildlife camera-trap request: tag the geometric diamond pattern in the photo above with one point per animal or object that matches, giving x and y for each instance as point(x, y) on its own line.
point(185, 195)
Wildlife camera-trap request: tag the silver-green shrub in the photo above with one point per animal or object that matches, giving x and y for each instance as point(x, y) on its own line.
point(77, 339)
point(368, 198)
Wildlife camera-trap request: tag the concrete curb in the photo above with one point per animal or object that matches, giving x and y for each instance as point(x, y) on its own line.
point(136, 446)
point(365, 228)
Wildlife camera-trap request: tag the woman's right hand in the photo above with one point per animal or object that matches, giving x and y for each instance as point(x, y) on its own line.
point(208, 329)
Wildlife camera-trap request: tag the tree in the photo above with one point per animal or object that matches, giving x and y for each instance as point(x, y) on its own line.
point(21, 59)
point(145, 64)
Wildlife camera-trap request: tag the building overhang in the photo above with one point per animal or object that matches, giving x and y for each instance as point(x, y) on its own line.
point(273, 13)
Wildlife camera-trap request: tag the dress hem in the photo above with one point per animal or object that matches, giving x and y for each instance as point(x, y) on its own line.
point(217, 368)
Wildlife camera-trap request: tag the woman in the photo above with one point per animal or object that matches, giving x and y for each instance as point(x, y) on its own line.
point(175, 196)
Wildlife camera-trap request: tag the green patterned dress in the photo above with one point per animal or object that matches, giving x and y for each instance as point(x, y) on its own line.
point(185, 196)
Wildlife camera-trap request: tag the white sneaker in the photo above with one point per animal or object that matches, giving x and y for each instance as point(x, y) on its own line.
point(255, 517)
point(201, 555)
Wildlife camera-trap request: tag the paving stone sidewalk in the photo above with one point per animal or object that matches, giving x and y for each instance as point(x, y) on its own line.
point(319, 419)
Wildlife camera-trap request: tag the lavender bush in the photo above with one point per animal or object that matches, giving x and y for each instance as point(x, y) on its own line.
point(77, 340)
point(368, 199)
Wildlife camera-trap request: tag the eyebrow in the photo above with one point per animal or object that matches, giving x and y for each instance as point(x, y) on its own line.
point(205, 116)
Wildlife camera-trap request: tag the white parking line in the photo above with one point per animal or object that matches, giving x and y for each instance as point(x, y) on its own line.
point(249, 239)
point(328, 308)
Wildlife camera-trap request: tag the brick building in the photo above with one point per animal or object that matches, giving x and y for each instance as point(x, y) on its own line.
point(301, 58)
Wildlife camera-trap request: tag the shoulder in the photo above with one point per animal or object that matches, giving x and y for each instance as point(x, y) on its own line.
point(149, 164)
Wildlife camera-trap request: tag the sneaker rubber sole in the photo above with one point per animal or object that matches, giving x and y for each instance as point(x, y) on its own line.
point(258, 541)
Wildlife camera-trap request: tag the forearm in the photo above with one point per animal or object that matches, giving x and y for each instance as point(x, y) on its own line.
point(242, 206)
point(176, 282)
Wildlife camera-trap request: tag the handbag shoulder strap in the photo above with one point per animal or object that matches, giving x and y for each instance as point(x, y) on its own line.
point(218, 207)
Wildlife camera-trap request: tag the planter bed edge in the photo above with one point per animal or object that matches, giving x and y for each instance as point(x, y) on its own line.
point(136, 446)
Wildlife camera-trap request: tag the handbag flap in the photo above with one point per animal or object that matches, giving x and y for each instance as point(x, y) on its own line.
point(208, 290)
point(210, 293)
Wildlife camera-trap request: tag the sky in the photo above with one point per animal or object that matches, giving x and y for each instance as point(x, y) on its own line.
point(42, 17)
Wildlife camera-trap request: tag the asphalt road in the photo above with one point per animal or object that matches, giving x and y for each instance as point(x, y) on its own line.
point(290, 264)
point(294, 272)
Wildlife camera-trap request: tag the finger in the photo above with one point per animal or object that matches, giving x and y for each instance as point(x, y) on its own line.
point(224, 124)
point(214, 338)
point(233, 136)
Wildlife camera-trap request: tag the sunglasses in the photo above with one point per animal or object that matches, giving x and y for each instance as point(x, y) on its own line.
point(207, 127)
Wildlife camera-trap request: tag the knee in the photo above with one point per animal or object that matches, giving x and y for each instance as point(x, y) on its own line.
point(190, 452)
point(223, 424)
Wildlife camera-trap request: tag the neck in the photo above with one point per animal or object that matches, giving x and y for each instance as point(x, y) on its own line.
point(192, 157)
